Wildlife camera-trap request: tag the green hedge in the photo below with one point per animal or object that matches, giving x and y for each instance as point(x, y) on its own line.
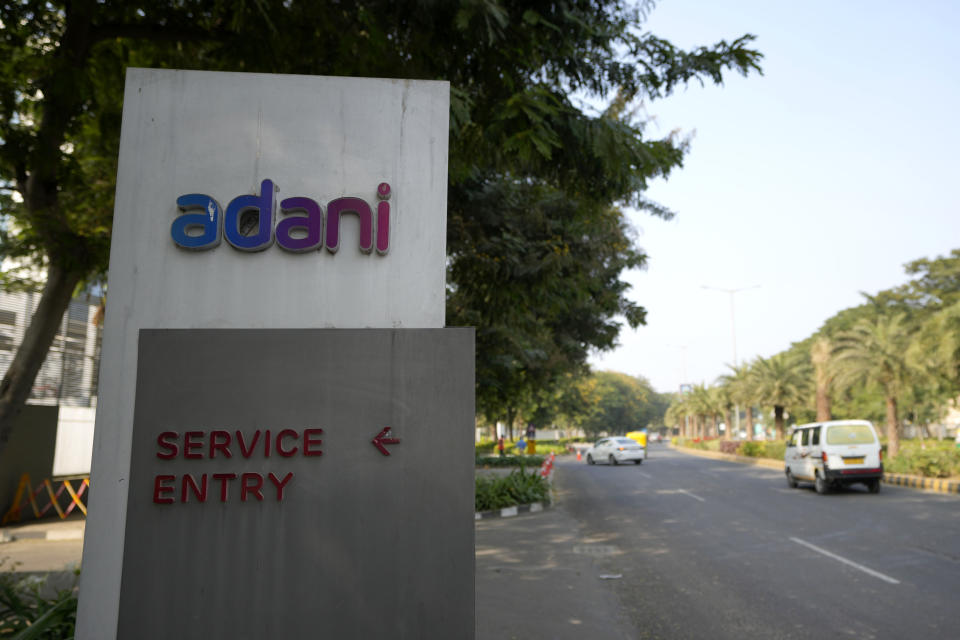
point(509, 461)
point(931, 463)
point(930, 459)
point(558, 447)
point(520, 487)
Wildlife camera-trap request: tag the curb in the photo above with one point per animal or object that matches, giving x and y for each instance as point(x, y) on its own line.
point(899, 479)
point(508, 512)
point(918, 482)
point(546, 470)
point(70, 534)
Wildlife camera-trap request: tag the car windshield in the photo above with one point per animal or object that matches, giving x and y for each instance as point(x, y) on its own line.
point(625, 441)
point(850, 434)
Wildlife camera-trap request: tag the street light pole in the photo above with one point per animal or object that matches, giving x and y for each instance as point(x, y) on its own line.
point(733, 337)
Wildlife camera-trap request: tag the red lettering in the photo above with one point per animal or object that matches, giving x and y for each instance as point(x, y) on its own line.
point(266, 445)
point(171, 447)
point(224, 479)
point(308, 442)
point(190, 444)
point(199, 491)
point(222, 447)
point(244, 451)
point(159, 489)
point(251, 483)
point(286, 453)
point(280, 485)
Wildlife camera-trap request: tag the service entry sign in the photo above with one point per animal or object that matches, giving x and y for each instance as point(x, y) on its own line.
point(267, 501)
point(283, 444)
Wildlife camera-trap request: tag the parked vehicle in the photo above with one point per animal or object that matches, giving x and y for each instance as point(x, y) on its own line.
point(834, 454)
point(616, 450)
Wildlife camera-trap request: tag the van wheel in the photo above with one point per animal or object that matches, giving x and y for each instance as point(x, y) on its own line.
point(874, 485)
point(590, 459)
point(791, 481)
point(612, 459)
point(639, 461)
point(821, 485)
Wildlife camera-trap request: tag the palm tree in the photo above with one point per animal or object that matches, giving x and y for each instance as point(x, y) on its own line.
point(820, 357)
point(739, 383)
point(874, 351)
point(679, 415)
point(722, 404)
point(701, 404)
point(780, 381)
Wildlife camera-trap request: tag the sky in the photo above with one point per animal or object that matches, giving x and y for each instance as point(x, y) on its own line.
point(803, 187)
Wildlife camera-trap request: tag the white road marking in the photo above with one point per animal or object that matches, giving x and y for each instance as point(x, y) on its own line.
point(644, 475)
point(875, 574)
point(695, 497)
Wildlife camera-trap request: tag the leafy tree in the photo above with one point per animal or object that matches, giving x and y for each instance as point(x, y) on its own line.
point(515, 132)
point(617, 403)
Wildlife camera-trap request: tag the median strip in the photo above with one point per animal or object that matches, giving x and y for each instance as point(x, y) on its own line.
point(875, 574)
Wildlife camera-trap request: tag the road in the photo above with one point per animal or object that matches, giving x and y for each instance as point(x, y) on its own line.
point(712, 549)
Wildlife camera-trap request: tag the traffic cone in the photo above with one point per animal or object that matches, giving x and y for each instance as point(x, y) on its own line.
point(578, 455)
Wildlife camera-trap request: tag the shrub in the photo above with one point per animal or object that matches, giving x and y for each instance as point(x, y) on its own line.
point(930, 463)
point(775, 450)
point(487, 447)
point(729, 446)
point(24, 604)
point(493, 492)
point(752, 449)
point(509, 461)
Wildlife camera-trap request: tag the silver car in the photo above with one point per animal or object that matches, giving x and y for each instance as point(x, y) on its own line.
point(616, 450)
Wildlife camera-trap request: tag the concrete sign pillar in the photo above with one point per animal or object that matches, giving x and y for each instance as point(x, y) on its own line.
point(283, 440)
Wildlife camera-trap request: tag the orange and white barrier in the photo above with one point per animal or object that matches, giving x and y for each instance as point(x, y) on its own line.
point(26, 496)
point(547, 466)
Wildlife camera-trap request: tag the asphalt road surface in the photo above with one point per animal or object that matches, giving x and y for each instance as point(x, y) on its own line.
point(712, 549)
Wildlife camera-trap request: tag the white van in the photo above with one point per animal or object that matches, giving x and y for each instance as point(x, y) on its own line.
point(833, 454)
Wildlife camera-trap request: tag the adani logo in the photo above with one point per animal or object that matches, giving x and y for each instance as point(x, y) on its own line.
point(248, 222)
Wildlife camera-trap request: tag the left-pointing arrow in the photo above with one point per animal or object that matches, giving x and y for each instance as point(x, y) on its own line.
point(384, 438)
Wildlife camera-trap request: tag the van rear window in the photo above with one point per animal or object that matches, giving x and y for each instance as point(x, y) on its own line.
point(850, 434)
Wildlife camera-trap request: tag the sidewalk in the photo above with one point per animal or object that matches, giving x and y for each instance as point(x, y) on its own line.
point(531, 584)
point(42, 545)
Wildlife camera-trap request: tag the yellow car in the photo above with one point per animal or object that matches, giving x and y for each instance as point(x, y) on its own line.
point(640, 437)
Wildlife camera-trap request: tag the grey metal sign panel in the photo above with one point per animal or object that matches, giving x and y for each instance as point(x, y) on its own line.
point(301, 484)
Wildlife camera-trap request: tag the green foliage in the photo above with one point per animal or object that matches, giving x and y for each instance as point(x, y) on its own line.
point(775, 450)
point(752, 449)
point(934, 462)
point(27, 612)
point(536, 239)
point(510, 461)
point(520, 487)
point(615, 403)
point(552, 446)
